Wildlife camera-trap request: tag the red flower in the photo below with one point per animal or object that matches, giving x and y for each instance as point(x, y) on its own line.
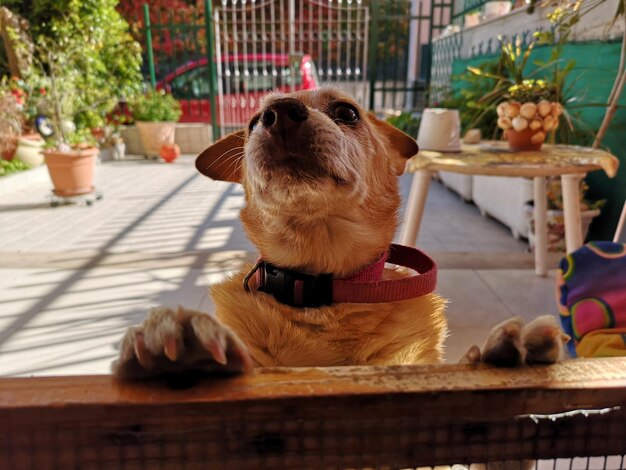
point(42, 91)
point(18, 94)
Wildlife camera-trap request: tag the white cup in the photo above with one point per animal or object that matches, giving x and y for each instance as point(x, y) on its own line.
point(440, 130)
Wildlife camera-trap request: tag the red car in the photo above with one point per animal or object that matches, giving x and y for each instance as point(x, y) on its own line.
point(246, 78)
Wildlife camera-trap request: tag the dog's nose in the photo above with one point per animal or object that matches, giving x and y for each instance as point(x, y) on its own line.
point(284, 115)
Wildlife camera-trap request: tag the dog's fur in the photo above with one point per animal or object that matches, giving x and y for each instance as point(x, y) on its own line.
point(321, 197)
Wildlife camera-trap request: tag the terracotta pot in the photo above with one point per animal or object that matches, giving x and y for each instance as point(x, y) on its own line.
point(72, 173)
point(154, 134)
point(520, 141)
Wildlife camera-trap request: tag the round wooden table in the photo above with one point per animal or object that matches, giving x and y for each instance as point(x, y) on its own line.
point(491, 158)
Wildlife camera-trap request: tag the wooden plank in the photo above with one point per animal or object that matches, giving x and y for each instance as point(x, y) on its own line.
point(352, 417)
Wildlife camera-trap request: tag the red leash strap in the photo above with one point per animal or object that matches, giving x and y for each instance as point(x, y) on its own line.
point(346, 290)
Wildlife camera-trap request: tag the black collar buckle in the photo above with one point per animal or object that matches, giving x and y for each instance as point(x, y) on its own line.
point(295, 288)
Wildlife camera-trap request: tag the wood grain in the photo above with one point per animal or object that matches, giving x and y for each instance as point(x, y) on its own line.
point(354, 417)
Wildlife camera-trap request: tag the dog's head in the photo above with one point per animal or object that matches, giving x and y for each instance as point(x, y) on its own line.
point(314, 161)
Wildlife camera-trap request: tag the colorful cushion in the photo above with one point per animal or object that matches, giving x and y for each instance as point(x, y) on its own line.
point(591, 294)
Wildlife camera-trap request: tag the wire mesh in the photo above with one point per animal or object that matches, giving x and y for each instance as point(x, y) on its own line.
point(580, 440)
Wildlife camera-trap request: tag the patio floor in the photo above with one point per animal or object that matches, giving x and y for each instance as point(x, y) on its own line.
point(75, 277)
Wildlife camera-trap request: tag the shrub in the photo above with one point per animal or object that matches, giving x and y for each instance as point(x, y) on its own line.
point(12, 166)
point(95, 42)
point(156, 106)
point(406, 122)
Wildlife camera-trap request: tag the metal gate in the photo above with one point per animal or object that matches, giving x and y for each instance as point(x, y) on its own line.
point(219, 63)
point(400, 57)
point(287, 45)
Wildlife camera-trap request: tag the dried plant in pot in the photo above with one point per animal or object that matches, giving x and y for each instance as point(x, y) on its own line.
point(529, 115)
point(70, 155)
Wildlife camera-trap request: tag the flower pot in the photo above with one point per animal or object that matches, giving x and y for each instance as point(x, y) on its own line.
point(556, 226)
point(29, 151)
point(11, 147)
point(106, 154)
point(526, 124)
point(520, 141)
point(154, 134)
point(440, 130)
point(472, 19)
point(72, 172)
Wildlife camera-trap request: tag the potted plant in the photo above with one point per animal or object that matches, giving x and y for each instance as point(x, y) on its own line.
point(19, 103)
point(10, 124)
point(70, 154)
point(156, 114)
point(499, 88)
point(107, 134)
point(555, 216)
point(84, 57)
point(529, 114)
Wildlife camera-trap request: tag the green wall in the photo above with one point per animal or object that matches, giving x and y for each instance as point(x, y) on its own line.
point(592, 79)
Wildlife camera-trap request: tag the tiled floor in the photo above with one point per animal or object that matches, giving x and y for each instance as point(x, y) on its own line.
point(74, 277)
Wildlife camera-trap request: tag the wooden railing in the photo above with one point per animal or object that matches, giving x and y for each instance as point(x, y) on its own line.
point(355, 417)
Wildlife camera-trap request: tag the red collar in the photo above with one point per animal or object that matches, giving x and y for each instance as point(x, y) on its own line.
point(366, 286)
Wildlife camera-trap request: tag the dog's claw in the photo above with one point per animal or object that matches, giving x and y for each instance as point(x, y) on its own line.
point(244, 357)
point(179, 341)
point(170, 348)
point(217, 350)
point(213, 340)
point(143, 355)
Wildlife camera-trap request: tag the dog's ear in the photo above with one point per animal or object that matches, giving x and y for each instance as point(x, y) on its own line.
point(222, 160)
point(402, 144)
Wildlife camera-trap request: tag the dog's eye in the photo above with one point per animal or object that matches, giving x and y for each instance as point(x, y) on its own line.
point(253, 123)
point(344, 113)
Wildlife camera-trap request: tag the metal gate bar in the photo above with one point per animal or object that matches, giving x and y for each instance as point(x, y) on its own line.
point(402, 33)
point(265, 44)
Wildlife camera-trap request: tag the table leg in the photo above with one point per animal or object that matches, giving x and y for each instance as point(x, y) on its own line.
point(571, 210)
point(620, 231)
point(541, 226)
point(415, 207)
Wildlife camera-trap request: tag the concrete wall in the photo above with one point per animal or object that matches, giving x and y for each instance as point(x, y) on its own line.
point(192, 138)
point(594, 26)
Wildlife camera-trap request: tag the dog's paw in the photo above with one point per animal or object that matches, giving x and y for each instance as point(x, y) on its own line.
point(180, 341)
point(503, 347)
point(472, 356)
point(544, 341)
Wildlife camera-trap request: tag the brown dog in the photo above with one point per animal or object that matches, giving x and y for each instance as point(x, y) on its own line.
point(320, 179)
